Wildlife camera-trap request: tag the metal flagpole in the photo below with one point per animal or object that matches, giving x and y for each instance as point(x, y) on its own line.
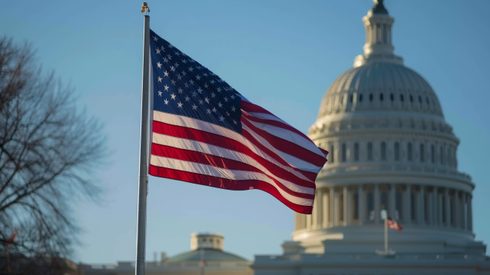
point(143, 172)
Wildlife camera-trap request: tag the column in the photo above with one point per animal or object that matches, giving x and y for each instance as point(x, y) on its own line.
point(392, 201)
point(407, 205)
point(317, 210)
point(433, 207)
point(331, 211)
point(421, 206)
point(362, 204)
point(457, 209)
point(470, 213)
point(377, 202)
point(447, 207)
point(299, 220)
point(326, 209)
point(308, 221)
point(346, 205)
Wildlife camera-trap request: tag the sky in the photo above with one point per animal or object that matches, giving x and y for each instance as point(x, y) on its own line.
point(281, 54)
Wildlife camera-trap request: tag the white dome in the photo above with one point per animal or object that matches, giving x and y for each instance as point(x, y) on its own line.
point(380, 86)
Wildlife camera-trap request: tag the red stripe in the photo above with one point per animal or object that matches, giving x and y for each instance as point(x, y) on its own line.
point(250, 107)
point(226, 184)
point(287, 146)
point(218, 140)
point(198, 157)
point(277, 124)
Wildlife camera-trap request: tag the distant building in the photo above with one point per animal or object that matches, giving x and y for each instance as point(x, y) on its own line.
point(390, 148)
point(206, 257)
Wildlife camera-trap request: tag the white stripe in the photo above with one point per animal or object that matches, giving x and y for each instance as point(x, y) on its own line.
point(207, 148)
point(213, 171)
point(225, 132)
point(292, 160)
point(288, 135)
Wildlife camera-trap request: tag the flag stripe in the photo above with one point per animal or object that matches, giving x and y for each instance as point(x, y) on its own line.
point(226, 184)
point(235, 175)
point(260, 164)
point(220, 136)
point(286, 146)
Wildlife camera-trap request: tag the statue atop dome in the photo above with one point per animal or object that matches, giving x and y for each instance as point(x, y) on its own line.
point(379, 7)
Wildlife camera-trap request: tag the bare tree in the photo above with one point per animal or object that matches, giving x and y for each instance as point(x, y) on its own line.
point(48, 152)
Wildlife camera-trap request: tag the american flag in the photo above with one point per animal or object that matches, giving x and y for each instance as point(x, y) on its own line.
point(205, 132)
point(393, 224)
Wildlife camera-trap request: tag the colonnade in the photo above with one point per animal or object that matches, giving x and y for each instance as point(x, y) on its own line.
point(418, 205)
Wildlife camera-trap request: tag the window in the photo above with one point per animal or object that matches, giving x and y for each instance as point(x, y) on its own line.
point(409, 152)
point(397, 151)
point(370, 151)
point(383, 150)
point(360, 98)
point(356, 151)
point(411, 98)
point(344, 152)
point(422, 152)
point(370, 204)
point(332, 153)
point(392, 97)
point(426, 207)
point(441, 154)
point(399, 205)
point(341, 207)
point(381, 97)
point(371, 97)
point(402, 98)
point(351, 98)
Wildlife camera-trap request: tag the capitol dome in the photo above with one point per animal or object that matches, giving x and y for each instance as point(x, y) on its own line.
point(390, 149)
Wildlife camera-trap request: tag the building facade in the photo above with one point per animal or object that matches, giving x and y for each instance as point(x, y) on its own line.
point(390, 149)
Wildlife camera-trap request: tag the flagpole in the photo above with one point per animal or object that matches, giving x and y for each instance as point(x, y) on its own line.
point(386, 235)
point(143, 171)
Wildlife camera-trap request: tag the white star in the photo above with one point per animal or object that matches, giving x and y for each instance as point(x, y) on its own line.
point(194, 94)
point(166, 87)
point(172, 68)
point(180, 104)
point(191, 81)
point(233, 108)
point(219, 90)
point(155, 38)
point(173, 81)
point(169, 56)
point(160, 79)
point(221, 118)
point(214, 110)
point(208, 111)
point(206, 85)
point(165, 60)
point(159, 93)
point(165, 74)
point(157, 51)
point(201, 101)
point(232, 96)
point(199, 90)
point(180, 90)
point(234, 122)
point(159, 65)
point(187, 98)
point(173, 96)
point(213, 94)
point(219, 104)
point(190, 69)
point(226, 99)
point(206, 99)
point(162, 48)
point(194, 107)
point(165, 101)
point(198, 77)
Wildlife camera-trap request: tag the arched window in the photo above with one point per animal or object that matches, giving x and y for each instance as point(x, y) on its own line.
point(370, 151)
point(422, 152)
point(383, 150)
point(409, 152)
point(344, 153)
point(397, 151)
point(356, 151)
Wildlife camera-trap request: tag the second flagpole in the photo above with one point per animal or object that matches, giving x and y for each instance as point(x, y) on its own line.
point(143, 169)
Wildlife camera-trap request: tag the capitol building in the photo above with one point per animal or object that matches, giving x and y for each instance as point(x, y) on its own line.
point(391, 151)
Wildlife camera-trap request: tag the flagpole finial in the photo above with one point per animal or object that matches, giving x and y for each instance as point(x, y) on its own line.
point(145, 9)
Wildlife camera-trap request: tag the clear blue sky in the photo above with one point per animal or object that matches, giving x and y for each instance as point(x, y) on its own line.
point(280, 54)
